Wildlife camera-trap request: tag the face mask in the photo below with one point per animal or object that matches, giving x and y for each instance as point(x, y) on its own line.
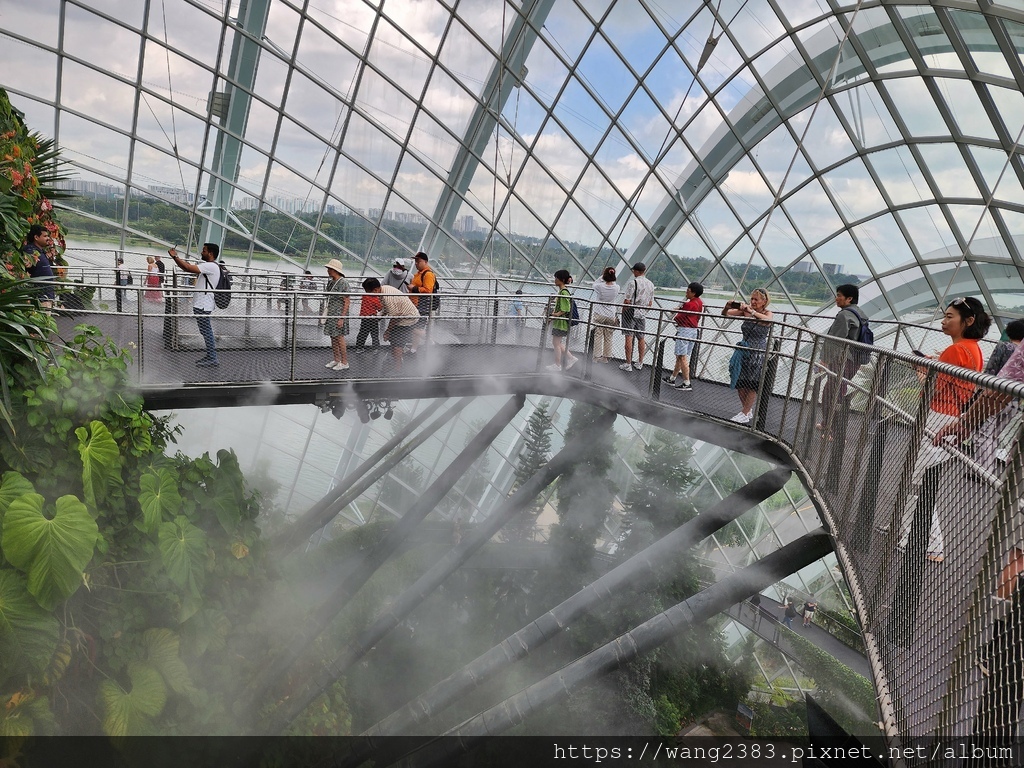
point(397, 272)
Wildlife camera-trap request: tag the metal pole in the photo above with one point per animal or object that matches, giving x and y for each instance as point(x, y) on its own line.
point(294, 309)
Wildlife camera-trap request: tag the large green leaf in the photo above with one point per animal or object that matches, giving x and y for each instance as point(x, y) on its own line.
point(159, 497)
point(163, 654)
point(13, 486)
point(101, 461)
point(226, 491)
point(128, 713)
point(183, 552)
point(53, 553)
point(27, 631)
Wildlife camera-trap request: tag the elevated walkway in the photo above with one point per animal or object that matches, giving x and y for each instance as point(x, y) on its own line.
point(925, 623)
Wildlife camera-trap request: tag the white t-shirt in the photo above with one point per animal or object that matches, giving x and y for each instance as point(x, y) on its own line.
point(203, 296)
point(608, 292)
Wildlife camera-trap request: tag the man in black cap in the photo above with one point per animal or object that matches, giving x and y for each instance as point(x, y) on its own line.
point(639, 296)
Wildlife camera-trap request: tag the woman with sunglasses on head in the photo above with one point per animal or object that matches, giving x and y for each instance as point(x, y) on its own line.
point(965, 322)
point(745, 367)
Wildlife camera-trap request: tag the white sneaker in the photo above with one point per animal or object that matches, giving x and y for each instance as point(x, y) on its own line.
point(571, 363)
point(626, 367)
point(638, 366)
point(553, 367)
point(331, 364)
point(741, 418)
point(341, 366)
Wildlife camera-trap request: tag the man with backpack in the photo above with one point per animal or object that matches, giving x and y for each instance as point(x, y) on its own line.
point(852, 324)
point(208, 276)
point(424, 281)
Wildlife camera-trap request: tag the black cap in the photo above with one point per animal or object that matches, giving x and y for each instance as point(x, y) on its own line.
point(639, 267)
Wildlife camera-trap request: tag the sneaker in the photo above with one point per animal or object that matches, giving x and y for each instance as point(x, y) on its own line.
point(553, 367)
point(331, 364)
point(670, 379)
point(683, 385)
point(741, 418)
point(207, 364)
point(638, 366)
point(571, 363)
point(625, 367)
point(341, 366)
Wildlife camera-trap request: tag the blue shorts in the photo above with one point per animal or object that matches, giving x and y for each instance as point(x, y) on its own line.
point(685, 339)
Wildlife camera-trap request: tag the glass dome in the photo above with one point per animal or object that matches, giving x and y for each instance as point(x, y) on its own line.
point(795, 145)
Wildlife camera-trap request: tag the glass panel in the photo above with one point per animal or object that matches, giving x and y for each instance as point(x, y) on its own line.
point(252, 168)
point(324, 58)
point(949, 170)
point(720, 223)
point(35, 20)
point(545, 72)
point(397, 58)
point(883, 243)
point(975, 224)
point(581, 115)
point(93, 146)
point(579, 235)
point(903, 181)
point(567, 25)
point(386, 105)
point(966, 108)
point(166, 131)
point(841, 261)
point(981, 44)
point(691, 252)
point(646, 124)
point(812, 213)
point(353, 29)
point(930, 38)
point(916, 107)
point(92, 38)
point(867, 115)
point(928, 230)
point(40, 79)
point(288, 191)
point(992, 163)
point(374, 150)
point(432, 141)
point(182, 26)
point(854, 190)
point(545, 197)
point(314, 108)
point(357, 189)
point(783, 51)
point(306, 154)
point(164, 176)
point(677, 165)
point(774, 154)
point(1005, 285)
point(261, 126)
point(826, 141)
point(755, 26)
point(597, 197)
point(270, 79)
point(801, 11)
point(632, 31)
point(524, 114)
point(418, 185)
point(706, 124)
point(96, 94)
point(780, 242)
point(1010, 104)
point(746, 190)
point(282, 23)
point(556, 150)
point(884, 47)
point(614, 157)
point(604, 72)
point(164, 72)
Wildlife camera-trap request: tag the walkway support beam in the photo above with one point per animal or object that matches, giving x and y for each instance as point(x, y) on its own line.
point(365, 566)
point(357, 481)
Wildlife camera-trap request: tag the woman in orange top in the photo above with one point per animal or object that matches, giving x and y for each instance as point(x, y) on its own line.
point(965, 321)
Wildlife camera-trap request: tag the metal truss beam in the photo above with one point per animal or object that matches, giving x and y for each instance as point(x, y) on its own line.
point(365, 566)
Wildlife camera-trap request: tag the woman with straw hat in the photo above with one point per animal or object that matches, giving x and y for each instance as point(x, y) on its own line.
point(335, 317)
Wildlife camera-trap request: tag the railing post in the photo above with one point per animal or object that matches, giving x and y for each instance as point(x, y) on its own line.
point(248, 311)
point(655, 377)
point(139, 334)
point(295, 337)
point(761, 404)
point(494, 321)
point(588, 343)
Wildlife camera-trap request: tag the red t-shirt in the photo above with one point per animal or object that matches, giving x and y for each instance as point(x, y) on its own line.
point(370, 305)
point(689, 313)
point(952, 394)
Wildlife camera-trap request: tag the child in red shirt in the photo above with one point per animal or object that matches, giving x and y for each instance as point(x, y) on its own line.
point(687, 320)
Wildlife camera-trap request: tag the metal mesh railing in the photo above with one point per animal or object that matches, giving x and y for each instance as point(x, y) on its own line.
point(931, 536)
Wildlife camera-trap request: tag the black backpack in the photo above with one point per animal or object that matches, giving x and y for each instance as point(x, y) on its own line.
point(435, 300)
point(574, 313)
point(864, 335)
point(222, 298)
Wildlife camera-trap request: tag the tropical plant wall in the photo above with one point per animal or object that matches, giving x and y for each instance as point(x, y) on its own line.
point(28, 172)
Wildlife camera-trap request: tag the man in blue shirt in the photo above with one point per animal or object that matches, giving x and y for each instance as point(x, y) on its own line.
point(37, 247)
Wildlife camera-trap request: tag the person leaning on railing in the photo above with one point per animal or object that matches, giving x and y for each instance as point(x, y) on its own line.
point(965, 322)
